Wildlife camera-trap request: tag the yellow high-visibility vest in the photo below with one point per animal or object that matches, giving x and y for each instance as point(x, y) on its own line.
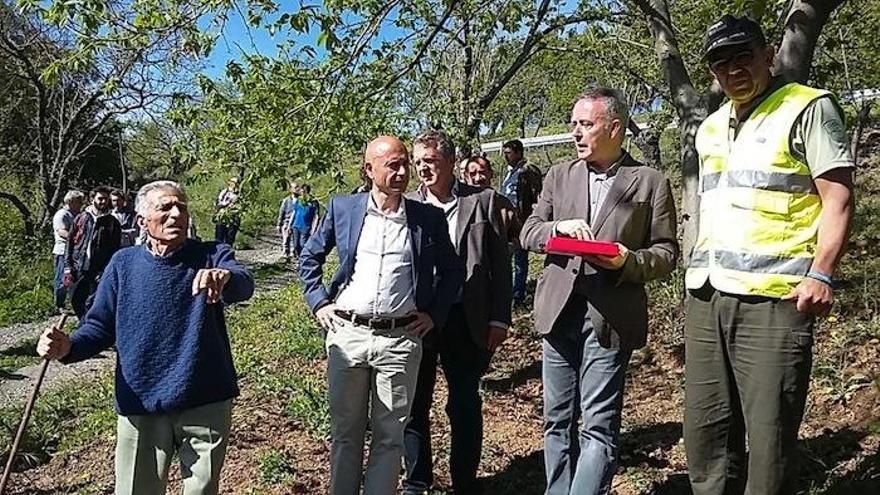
point(759, 209)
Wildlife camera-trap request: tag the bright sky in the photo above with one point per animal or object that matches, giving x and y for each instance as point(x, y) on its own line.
point(239, 38)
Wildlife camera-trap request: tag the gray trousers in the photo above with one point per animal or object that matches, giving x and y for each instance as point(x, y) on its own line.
point(582, 380)
point(146, 444)
point(372, 375)
point(747, 371)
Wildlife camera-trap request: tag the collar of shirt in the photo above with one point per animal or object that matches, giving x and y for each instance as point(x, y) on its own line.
point(449, 207)
point(446, 206)
point(519, 165)
point(608, 173)
point(150, 249)
point(397, 216)
point(95, 213)
point(422, 191)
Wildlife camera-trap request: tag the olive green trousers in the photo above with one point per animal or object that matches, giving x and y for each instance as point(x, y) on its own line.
point(747, 372)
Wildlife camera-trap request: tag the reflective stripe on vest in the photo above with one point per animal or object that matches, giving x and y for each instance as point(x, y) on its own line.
point(759, 209)
point(759, 179)
point(753, 262)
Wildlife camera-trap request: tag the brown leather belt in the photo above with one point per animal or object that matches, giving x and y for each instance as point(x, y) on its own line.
point(377, 323)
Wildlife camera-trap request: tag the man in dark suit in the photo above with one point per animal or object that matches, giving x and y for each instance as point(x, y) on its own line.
point(477, 323)
point(593, 310)
point(398, 276)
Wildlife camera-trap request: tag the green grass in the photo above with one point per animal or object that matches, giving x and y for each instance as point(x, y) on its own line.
point(276, 467)
point(33, 304)
point(267, 271)
point(308, 404)
point(22, 354)
point(275, 342)
point(62, 420)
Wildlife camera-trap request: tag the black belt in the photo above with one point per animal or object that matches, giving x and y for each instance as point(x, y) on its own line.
point(378, 323)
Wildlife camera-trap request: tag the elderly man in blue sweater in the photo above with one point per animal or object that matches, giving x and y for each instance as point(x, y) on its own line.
point(161, 304)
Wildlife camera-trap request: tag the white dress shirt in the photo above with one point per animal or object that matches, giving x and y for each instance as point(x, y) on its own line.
point(450, 210)
point(383, 282)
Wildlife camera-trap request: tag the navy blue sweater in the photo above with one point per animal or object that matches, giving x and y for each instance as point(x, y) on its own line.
point(173, 349)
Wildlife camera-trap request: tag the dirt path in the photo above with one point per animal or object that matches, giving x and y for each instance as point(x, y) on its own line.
point(262, 259)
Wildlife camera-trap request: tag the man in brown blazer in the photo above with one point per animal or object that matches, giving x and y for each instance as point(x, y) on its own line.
point(593, 310)
point(477, 323)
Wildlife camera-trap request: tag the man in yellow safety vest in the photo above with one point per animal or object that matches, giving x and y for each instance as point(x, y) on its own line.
point(775, 209)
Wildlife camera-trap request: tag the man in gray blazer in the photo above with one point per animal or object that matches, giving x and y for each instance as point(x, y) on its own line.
point(593, 310)
point(477, 323)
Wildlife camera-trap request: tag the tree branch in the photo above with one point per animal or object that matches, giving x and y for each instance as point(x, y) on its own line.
point(416, 58)
point(23, 209)
point(802, 28)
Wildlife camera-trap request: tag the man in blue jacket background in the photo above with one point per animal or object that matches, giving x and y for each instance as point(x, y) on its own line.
point(398, 276)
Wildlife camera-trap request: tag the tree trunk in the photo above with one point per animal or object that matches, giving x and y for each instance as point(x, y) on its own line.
point(122, 166)
point(26, 217)
point(802, 28)
point(690, 107)
point(648, 143)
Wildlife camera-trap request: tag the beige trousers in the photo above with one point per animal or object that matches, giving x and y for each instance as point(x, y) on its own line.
point(146, 444)
point(372, 375)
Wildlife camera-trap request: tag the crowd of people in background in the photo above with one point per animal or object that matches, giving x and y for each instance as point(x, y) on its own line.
point(424, 282)
point(87, 232)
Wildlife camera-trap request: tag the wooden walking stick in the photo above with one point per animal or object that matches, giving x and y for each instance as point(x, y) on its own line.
point(28, 408)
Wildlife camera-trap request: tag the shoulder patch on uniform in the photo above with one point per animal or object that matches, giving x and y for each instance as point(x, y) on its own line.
point(835, 128)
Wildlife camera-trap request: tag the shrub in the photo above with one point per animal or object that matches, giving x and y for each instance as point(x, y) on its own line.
point(276, 467)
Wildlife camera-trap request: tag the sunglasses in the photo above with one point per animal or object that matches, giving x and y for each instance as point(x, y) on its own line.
point(739, 59)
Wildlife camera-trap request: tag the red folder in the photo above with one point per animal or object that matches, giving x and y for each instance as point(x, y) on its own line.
point(569, 246)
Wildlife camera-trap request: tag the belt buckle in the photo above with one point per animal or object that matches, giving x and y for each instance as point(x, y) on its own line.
point(373, 321)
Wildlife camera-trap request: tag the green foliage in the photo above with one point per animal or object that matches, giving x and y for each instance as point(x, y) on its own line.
point(62, 420)
point(154, 150)
point(22, 354)
point(845, 57)
point(22, 304)
point(26, 272)
point(532, 100)
point(273, 119)
point(276, 467)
